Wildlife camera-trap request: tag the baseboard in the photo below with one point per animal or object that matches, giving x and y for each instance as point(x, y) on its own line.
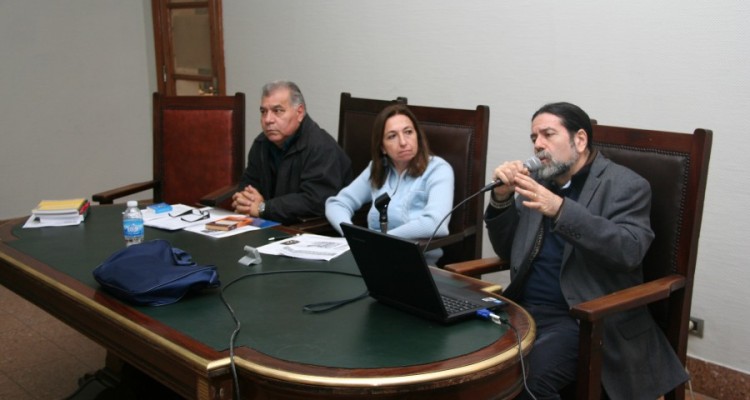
point(717, 381)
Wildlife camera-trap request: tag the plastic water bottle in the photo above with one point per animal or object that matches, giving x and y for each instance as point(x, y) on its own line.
point(132, 224)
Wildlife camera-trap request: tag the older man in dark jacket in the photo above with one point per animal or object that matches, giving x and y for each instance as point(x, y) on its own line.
point(293, 166)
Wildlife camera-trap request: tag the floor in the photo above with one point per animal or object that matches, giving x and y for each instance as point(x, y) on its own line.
point(41, 358)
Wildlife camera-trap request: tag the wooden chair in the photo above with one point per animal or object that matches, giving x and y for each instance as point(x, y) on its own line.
point(356, 119)
point(198, 146)
point(676, 166)
point(460, 137)
point(457, 135)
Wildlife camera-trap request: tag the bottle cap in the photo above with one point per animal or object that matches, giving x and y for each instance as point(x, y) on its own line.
point(132, 203)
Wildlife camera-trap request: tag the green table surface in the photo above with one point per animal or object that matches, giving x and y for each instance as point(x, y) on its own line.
point(363, 334)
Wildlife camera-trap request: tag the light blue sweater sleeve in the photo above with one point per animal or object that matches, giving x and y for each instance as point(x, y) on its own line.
point(341, 208)
point(417, 203)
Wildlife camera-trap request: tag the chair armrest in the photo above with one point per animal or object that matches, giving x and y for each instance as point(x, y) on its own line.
point(439, 242)
point(109, 196)
point(316, 225)
point(591, 315)
point(627, 299)
point(476, 268)
point(442, 241)
point(218, 196)
point(360, 216)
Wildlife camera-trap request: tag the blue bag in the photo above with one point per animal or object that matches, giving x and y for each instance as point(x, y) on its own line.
point(153, 273)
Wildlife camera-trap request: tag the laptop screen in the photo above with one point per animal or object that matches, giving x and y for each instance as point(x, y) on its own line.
point(395, 272)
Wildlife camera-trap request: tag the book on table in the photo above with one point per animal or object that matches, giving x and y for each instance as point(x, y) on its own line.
point(61, 210)
point(229, 223)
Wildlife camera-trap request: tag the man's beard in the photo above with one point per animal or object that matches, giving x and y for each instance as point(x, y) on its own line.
point(556, 168)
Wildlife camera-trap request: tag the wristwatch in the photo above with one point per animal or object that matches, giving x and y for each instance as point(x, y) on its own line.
point(261, 209)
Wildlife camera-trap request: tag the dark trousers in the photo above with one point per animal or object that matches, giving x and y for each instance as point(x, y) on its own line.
point(553, 359)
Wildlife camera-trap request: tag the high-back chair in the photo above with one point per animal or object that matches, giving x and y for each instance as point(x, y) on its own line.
point(460, 137)
point(198, 146)
point(356, 119)
point(676, 166)
point(457, 135)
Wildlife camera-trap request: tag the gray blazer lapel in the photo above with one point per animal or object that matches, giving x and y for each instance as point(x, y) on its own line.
point(528, 231)
point(588, 192)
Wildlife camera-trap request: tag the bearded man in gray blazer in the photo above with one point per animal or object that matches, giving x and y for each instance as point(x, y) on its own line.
point(576, 230)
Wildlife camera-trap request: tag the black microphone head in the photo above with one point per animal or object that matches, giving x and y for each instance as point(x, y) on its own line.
point(533, 164)
point(382, 202)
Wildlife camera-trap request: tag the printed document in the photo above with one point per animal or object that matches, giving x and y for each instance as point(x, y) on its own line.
point(307, 246)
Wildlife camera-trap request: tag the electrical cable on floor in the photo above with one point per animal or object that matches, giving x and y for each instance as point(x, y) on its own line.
point(326, 306)
point(690, 384)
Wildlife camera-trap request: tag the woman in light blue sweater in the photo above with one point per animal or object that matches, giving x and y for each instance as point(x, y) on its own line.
point(420, 185)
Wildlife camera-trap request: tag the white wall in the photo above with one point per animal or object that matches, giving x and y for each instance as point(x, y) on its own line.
point(668, 65)
point(77, 78)
point(75, 110)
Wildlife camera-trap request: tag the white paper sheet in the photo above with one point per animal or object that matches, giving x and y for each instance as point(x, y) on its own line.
point(307, 246)
point(33, 222)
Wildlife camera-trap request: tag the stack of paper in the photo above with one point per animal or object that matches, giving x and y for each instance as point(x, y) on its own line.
point(175, 217)
point(61, 212)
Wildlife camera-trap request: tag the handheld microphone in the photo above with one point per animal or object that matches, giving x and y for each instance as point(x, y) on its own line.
point(532, 164)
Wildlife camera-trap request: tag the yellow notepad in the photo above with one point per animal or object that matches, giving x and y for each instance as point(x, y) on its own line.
point(59, 206)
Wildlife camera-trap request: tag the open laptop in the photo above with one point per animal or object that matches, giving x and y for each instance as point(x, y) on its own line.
point(395, 273)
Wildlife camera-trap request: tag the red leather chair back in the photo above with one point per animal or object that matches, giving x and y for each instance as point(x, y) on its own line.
point(199, 145)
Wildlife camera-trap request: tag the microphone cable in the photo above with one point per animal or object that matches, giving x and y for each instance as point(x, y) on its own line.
point(487, 314)
point(238, 325)
point(532, 164)
point(426, 246)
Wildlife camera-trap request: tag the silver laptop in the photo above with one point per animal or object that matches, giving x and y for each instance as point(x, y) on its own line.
point(395, 273)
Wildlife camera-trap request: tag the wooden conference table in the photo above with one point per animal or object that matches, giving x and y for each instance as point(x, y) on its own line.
point(361, 350)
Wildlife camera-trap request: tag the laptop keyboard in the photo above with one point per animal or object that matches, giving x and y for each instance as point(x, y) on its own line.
point(453, 306)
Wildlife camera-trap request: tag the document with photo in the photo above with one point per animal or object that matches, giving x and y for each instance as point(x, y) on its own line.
point(223, 225)
point(307, 246)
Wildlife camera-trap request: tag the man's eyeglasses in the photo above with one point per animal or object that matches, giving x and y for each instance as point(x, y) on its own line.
point(192, 215)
